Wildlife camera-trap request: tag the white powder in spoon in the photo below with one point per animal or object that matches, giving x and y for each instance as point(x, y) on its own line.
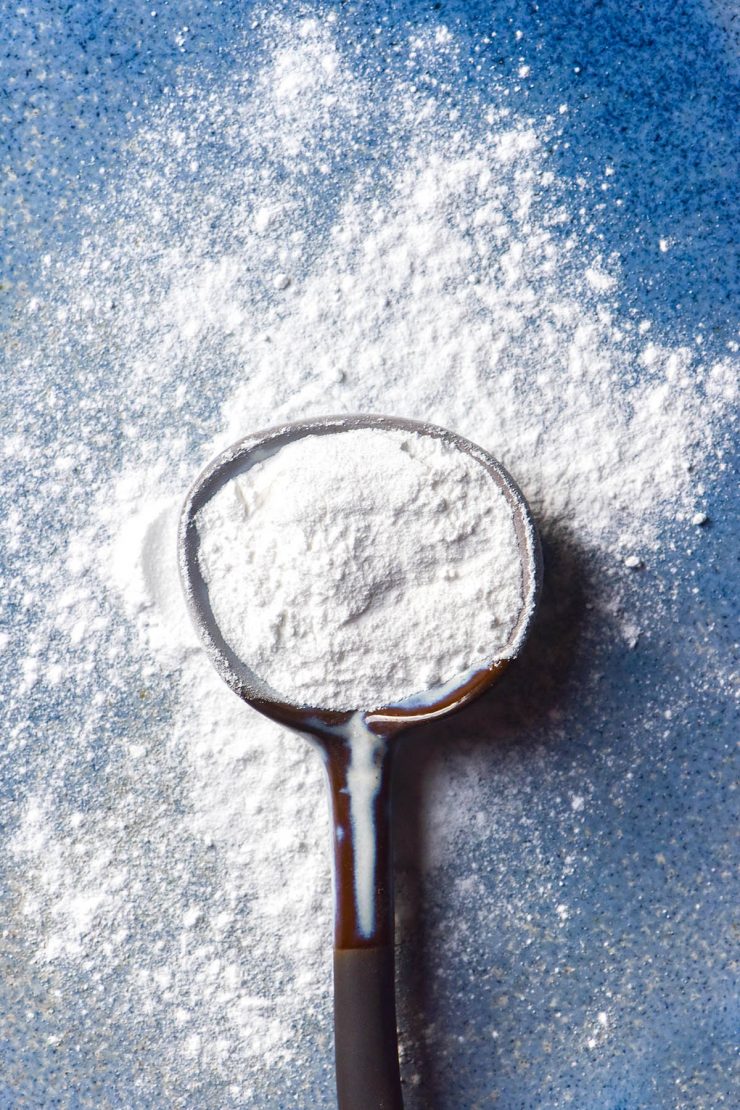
point(360, 567)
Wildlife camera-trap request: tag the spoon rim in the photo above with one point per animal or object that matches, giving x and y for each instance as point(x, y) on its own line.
point(386, 719)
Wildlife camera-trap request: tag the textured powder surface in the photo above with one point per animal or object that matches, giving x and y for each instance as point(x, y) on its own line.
point(510, 220)
point(358, 568)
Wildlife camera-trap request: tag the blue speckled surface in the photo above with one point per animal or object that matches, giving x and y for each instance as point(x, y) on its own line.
point(499, 1006)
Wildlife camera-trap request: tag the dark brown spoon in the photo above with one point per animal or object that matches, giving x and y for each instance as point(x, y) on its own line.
point(357, 748)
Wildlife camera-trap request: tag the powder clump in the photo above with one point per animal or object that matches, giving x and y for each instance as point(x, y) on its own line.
point(358, 568)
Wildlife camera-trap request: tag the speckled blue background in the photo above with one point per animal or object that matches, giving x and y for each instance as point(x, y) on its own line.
point(648, 937)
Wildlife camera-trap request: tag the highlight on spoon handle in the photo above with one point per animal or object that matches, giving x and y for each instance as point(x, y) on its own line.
point(365, 1030)
point(361, 826)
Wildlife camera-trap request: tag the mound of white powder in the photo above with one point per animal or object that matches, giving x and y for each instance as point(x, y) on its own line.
point(357, 568)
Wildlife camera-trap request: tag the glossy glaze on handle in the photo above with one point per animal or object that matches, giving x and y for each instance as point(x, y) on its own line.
point(361, 831)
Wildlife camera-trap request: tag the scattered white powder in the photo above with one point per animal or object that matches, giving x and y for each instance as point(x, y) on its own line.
point(320, 230)
point(357, 568)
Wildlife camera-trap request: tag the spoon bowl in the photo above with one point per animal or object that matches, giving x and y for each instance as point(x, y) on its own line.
point(357, 747)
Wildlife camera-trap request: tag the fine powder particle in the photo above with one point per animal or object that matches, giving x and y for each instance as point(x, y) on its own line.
point(360, 567)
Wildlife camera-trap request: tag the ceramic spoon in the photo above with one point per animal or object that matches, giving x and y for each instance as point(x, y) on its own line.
point(357, 749)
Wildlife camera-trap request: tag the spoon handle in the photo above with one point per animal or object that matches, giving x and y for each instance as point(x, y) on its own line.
point(365, 1038)
point(365, 1029)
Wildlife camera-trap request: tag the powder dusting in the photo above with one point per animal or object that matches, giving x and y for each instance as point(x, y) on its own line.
point(348, 219)
point(358, 568)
